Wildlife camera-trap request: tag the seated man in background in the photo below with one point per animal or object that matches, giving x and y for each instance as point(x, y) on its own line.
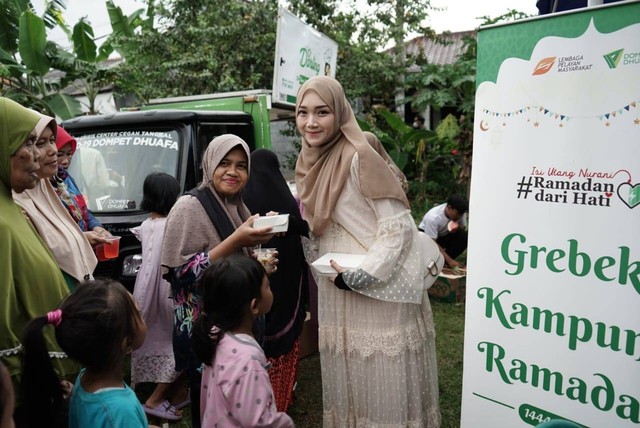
point(446, 224)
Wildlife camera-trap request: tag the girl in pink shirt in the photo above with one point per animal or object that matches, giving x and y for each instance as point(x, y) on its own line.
point(235, 385)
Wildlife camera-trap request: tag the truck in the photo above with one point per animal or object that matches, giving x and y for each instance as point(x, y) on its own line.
point(115, 152)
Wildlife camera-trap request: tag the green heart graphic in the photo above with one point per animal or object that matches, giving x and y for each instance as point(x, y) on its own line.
point(629, 194)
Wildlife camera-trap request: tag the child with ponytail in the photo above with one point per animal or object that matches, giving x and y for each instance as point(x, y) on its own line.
point(235, 385)
point(97, 325)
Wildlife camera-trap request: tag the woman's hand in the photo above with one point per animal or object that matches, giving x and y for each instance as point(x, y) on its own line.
point(95, 238)
point(244, 236)
point(338, 280)
point(248, 236)
point(272, 213)
point(102, 232)
point(334, 264)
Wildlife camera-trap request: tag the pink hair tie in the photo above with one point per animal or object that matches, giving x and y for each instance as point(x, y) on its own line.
point(54, 317)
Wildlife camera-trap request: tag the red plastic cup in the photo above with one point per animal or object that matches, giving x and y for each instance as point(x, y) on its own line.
point(100, 252)
point(112, 248)
point(108, 250)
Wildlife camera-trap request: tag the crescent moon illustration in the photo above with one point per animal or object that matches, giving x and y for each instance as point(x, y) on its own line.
point(482, 128)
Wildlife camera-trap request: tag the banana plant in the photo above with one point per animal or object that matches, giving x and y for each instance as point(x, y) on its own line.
point(404, 143)
point(124, 27)
point(26, 56)
point(34, 71)
point(91, 74)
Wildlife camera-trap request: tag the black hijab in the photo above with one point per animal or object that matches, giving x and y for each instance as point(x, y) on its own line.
point(267, 190)
point(267, 187)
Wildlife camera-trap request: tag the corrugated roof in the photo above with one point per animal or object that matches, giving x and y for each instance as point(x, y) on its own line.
point(438, 53)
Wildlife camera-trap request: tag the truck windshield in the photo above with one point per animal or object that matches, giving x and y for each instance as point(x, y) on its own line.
point(110, 167)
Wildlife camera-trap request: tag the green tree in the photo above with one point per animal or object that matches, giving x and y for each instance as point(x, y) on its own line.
point(205, 46)
point(450, 85)
point(365, 69)
point(202, 46)
point(402, 18)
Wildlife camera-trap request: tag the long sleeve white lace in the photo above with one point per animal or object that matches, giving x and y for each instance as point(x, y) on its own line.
point(398, 260)
point(394, 268)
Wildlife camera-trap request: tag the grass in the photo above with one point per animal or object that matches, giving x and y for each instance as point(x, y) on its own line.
point(307, 408)
point(449, 321)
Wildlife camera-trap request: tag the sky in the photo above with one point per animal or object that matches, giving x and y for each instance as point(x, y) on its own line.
point(458, 15)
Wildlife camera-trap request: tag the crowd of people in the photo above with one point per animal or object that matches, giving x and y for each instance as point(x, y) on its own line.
point(207, 323)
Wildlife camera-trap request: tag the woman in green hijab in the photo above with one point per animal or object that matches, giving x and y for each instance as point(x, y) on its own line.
point(31, 283)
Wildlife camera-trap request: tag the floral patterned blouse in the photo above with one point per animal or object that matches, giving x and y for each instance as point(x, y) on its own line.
point(184, 284)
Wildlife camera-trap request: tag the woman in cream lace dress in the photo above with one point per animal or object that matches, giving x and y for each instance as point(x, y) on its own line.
point(376, 333)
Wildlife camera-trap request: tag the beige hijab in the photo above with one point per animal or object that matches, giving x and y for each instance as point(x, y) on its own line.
point(60, 233)
point(321, 172)
point(378, 147)
point(189, 230)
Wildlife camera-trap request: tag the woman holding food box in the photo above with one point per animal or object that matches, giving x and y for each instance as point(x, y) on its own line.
point(208, 223)
point(376, 332)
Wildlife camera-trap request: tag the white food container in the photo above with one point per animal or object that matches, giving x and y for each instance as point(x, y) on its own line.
point(278, 223)
point(347, 261)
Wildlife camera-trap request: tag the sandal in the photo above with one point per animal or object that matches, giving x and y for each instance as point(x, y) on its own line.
point(185, 403)
point(164, 410)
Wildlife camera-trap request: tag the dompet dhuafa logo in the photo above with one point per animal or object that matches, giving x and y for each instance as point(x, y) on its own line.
point(613, 58)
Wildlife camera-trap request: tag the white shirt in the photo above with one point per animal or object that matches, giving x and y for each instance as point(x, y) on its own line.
point(434, 223)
